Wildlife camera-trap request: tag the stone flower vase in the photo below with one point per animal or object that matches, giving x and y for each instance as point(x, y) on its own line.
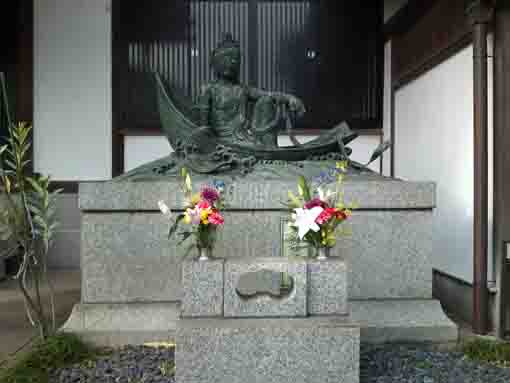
point(205, 253)
point(323, 253)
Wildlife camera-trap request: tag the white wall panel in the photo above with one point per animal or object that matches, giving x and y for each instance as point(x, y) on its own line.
point(141, 150)
point(72, 89)
point(387, 106)
point(434, 141)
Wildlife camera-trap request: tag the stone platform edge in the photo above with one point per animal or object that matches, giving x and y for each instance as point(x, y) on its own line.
point(265, 195)
point(380, 321)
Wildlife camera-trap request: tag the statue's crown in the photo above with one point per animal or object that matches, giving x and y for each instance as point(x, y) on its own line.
point(227, 43)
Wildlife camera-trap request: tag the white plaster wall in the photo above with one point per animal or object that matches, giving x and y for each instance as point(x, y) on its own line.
point(72, 89)
point(387, 106)
point(434, 141)
point(140, 150)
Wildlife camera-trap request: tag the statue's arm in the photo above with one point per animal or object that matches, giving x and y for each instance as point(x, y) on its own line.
point(294, 103)
point(203, 105)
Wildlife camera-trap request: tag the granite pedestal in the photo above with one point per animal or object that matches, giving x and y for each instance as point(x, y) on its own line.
point(128, 261)
point(249, 345)
point(267, 350)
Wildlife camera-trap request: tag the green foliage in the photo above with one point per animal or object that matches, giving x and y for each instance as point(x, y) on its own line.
point(55, 352)
point(29, 221)
point(493, 352)
point(167, 369)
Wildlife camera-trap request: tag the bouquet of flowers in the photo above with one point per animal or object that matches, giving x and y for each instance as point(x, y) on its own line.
point(316, 213)
point(201, 214)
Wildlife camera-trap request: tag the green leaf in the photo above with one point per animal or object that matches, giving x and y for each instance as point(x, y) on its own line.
point(294, 201)
point(303, 188)
point(378, 152)
point(35, 184)
point(174, 227)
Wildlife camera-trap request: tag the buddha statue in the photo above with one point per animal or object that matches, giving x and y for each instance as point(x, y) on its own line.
point(233, 128)
point(237, 112)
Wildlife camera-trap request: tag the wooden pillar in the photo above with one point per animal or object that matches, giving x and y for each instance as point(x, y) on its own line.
point(479, 12)
point(501, 159)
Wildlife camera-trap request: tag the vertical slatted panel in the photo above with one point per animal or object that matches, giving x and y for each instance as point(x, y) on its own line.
point(285, 31)
point(169, 59)
point(280, 23)
point(209, 21)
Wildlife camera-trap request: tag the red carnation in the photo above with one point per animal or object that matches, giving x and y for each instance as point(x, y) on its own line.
point(316, 202)
point(326, 215)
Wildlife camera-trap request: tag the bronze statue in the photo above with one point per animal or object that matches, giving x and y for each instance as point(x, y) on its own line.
point(234, 128)
point(236, 111)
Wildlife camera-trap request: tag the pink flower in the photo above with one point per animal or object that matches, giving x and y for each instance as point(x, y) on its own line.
point(210, 194)
point(315, 202)
point(216, 218)
point(326, 215)
point(203, 205)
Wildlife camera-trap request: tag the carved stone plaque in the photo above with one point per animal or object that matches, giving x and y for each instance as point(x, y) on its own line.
point(265, 282)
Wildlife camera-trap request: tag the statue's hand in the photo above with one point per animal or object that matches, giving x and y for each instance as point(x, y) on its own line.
point(296, 105)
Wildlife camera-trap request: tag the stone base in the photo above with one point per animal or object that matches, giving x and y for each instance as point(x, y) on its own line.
point(116, 325)
point(267, 350)
point(381, 321)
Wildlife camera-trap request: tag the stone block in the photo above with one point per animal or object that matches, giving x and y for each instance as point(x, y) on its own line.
point(327, 287)
point(269, 351)
point(369, 191)
point(403, 321)
point(127, 257)
point(117, 325)
point(389, 254)
point(265, 305)
point(202, 283)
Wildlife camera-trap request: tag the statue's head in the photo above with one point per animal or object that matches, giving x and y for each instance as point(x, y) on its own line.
point(226, 59)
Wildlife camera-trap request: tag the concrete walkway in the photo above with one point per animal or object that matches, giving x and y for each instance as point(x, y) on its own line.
point(15, 330)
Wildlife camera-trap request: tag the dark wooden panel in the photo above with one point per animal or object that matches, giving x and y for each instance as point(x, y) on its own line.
point(327, 52)
point(67, 187)
point(407, 17)
point(437, 35)
point(25, 63)
point(502, 157)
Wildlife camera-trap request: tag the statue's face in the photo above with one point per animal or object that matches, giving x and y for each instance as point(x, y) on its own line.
point(227, 64)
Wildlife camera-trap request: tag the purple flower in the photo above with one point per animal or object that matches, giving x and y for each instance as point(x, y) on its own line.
point(210, 194)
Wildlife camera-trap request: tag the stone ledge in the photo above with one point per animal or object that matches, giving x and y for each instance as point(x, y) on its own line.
point(374, 193)
point(381, 321)
point(116, 325)
point(403, 321)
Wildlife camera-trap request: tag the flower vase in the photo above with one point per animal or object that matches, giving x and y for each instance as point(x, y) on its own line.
point(205, 253)
point(323, 253)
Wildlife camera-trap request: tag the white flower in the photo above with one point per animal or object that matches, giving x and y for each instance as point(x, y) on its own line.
point(325, 195)
point(305, 220)
point(164, 209)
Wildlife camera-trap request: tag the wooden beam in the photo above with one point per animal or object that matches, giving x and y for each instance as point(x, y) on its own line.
point(501, 160)
point(441, 31)
point(406, 17)
point(479, 13)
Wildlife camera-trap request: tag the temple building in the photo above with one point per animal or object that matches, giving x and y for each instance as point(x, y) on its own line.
point(431, 76)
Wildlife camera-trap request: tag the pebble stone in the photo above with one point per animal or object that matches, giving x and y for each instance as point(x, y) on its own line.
point(379, 364)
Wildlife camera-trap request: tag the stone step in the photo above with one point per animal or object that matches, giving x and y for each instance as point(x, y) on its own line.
point(381, 321)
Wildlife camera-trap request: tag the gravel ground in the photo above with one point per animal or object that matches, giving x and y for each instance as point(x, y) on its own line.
point(382, 364)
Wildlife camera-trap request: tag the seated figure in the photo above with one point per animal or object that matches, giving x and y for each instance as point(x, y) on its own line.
point(236, 112)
